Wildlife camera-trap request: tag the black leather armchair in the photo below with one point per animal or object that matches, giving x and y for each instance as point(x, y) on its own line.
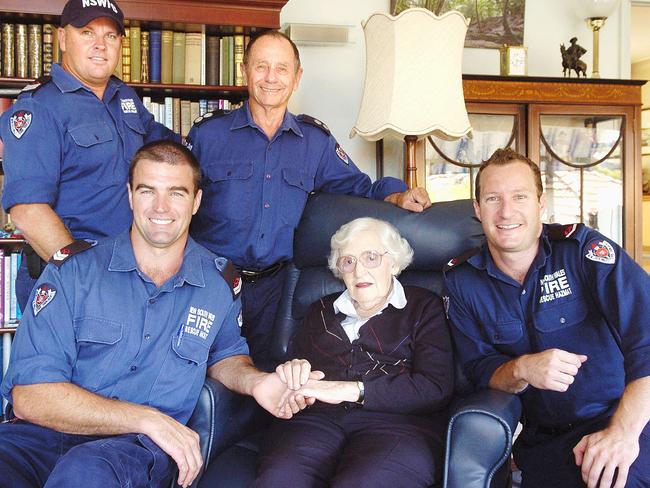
point(481, 423)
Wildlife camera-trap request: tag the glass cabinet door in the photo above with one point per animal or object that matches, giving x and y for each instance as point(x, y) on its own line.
point(582, 157)
point(451, 166)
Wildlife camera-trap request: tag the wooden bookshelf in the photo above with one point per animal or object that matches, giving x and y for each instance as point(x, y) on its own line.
point(11, 328)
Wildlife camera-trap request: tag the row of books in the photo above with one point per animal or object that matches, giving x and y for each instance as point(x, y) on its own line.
point(179, 115)
point(28, 50)
point(148, 56)
point(173, 57)
point(5, 352)
point(10, 312)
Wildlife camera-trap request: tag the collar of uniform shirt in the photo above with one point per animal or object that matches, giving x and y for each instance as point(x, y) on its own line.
point(123, 259)
point(352, 323)
point(244, 118)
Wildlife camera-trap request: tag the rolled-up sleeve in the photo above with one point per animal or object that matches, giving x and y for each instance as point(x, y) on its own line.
point(44, 348)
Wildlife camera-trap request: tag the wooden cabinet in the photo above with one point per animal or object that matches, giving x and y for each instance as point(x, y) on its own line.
point(585, 134)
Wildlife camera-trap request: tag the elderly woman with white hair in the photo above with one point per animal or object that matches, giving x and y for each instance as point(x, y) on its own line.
point(385, 352)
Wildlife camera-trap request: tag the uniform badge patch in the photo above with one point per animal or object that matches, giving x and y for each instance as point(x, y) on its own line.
point(128, 106)
point(341, 154)
point(20, 122)
point(44, 294)
point(601, 252)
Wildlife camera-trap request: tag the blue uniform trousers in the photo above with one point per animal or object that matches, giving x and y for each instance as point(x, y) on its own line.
point(32, 456)
point(260, 303)
point(350, 447)
point(546, 458)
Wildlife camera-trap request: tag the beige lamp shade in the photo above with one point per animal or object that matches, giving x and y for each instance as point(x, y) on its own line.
point(413, 80)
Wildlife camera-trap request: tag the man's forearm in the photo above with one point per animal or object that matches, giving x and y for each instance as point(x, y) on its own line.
point(42, 227)
point(632, 413)
point(237, 373)
point(507, 377)
point(67, 408)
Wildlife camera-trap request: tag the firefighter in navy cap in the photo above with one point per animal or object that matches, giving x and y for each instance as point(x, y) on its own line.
point(556, 314)
point(68, 141)
point(113, 350)
point(260, 162)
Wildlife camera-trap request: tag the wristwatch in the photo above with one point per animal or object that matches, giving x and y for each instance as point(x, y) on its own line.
point(362, 393)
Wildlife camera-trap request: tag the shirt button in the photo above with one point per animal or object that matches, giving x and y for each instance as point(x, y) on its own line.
point(147, 336)
point(133, 368)
point(229, 173)
point(115, 397)
point(523, 292)
point(152, 300)
point(268, 148)
point(562, 320)
point(268, 176)
point(267, 205)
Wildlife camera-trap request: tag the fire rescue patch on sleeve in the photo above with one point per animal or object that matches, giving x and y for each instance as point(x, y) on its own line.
point(20, 122)
point(308, 119)
point(232, 277)
point(44, 294)
point(601, 251)
point(342, 154)
point(62, 255)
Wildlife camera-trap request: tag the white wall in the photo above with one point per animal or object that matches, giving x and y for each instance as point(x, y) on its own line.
point(332, 84)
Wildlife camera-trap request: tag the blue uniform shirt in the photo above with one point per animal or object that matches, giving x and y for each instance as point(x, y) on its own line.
point(582, 294)
point(100, 323)
point(65, 147)
point(255, 189)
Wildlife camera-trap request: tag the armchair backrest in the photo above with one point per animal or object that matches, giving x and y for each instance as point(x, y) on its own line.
point(443, 231)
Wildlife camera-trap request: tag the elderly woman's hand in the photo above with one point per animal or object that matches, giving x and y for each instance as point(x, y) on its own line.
point(296, 373)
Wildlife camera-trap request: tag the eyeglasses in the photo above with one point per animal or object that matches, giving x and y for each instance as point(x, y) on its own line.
point(369, 259)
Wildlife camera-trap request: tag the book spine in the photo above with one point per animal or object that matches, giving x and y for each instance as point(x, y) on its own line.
point(176, 114)
point(169, 113)
point(144, 57)
point(178, 58)
point(126, 55)
point(56, 52)
point(193, 58)
point(48, 47)
point(6, 354)
point(203, 51)
point(8, 52)
point(8, 285)
point(154, 55)
point(203, 106)
point(3, 317)
point(239, 59)
point(223, 60)
point(166, 56)
point(35, 50)
point(21, 51)
point(186, 118)
point(146, 101)
point(194, 112)
point(136, 55)
point(231, 61)
point(212, 61)
point(13, 263)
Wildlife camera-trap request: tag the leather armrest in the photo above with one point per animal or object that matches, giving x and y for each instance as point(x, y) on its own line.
point(479, 437)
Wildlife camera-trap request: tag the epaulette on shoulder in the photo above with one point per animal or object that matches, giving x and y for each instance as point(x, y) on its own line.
point(210, 115)
point(62, 255)
point(308, 119)
point(454, 262)
point(562, 232)
point(230, 273)
point(38, 83)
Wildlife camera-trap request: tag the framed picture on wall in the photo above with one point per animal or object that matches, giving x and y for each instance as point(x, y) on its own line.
point(493, 24)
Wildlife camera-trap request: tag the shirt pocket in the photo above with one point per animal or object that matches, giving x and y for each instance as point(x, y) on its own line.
point(94, 152)
point(505, 332)
point(231, 189)
point(134, 135)
point(98, 341)
point(561, 316)
point(296, 188)
point(181, 376)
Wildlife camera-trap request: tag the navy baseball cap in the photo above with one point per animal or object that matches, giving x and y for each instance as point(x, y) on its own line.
point(79, 13)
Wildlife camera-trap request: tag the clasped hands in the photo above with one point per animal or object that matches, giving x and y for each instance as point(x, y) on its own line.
point(304, 387)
